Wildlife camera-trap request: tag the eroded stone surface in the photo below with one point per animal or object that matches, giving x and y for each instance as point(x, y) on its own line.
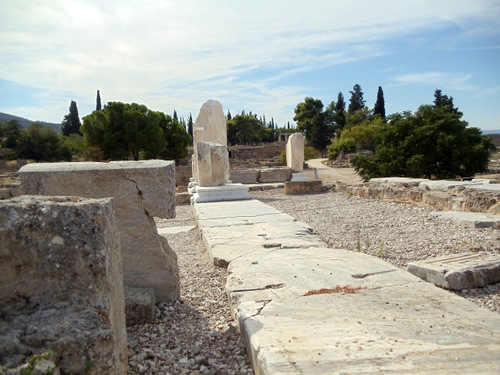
point(62, 284)
point(213, 164)
point(459, 271)
point(141, 189)
point(303, 187)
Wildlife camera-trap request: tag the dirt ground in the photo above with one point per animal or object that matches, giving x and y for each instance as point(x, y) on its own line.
point(331, 175)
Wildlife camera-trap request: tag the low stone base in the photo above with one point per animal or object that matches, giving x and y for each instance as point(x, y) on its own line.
point(459, 271)
point(303, 187)
point(300, 176)
point(230, 192)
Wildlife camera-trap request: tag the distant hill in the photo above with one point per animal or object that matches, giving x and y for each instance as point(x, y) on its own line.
point(24, 122)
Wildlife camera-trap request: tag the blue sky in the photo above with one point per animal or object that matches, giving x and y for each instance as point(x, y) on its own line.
point(263, 56)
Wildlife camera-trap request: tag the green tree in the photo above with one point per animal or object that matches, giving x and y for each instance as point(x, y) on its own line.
point(42, 143)
point(444, 101)
point(176, 137)
point(190, 125)
point(432, 143)
point(379, 108)
point(340, 118)
point(246, 129)
point(10, 132)
point(314, 123)
point(356, 102)
point(98, 106)
point(71, 123)
point(122, 130)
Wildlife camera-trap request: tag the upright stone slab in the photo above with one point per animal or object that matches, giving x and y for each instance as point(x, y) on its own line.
point(213, 164)
point(62, 284)
point(295, 152)
point(142, 189)
point(210, 126)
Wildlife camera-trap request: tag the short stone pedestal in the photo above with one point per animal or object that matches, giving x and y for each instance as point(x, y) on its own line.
point(229, 192)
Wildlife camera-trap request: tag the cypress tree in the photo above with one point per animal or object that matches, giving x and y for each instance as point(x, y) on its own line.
point(340, 111)
point(379, 108)
point(190, 125)
point(71, 123)
point(98, 101)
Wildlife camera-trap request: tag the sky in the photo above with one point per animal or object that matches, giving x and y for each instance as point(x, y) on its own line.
point(263, 56)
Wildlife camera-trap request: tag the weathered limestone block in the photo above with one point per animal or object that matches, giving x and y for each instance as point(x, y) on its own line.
point(210, 126)
point(142, 189)
point(459, 271)
point(295, 152)
point(274, 175)
point(62, 284)
point(243, 176)
point(303, 187)
point(213, 164)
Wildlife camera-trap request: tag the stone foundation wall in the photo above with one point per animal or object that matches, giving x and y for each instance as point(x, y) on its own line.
point(62, 284)
point(469, 196)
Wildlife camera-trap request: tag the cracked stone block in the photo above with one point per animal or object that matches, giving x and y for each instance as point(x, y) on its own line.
point(62, 284)
point(142, 190)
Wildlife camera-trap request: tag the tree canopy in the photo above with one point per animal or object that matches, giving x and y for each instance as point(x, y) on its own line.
point(379, 108)
point(316, 125)
point(71, 123)
point(356, 102)
point(121, 130)
point(432, 143)
point(245, 130)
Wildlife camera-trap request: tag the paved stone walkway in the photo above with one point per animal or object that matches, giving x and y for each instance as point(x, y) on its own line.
point(306, 309)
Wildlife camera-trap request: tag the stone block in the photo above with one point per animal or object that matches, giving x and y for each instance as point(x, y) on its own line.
point(142, 190)
point(274, 175)
point(303, 187)
point(213, 164)
point(139, 305)
point(243, 176)
point(62, 284)
point(295, 152)
point(459, 271)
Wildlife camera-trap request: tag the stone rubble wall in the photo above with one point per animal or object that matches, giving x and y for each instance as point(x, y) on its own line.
point(62, 284)
point(142, 190)
point(478, 195)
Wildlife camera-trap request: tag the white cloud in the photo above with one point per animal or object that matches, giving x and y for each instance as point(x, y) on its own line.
point(176, 54)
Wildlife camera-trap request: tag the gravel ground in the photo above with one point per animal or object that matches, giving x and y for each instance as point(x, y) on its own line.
point(198, 335)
